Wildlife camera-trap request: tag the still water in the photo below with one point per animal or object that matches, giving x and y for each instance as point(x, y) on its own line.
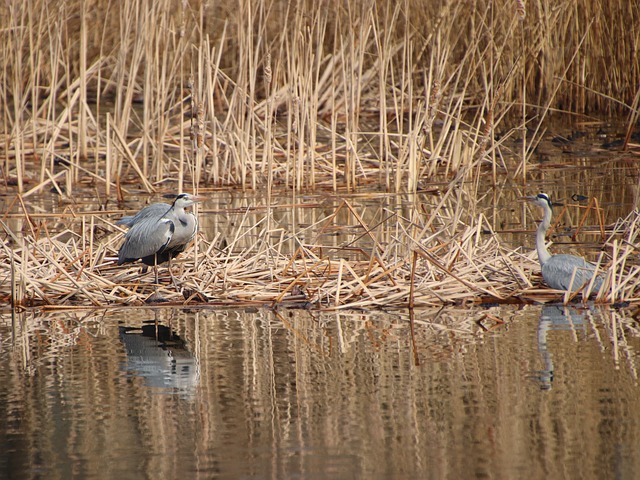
point(504, 392)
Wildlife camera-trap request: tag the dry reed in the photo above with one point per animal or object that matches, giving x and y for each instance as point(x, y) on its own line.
point(297, 95)
point(349, 87)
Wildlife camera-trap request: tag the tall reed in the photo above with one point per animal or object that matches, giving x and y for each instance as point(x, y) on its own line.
point(359, 93)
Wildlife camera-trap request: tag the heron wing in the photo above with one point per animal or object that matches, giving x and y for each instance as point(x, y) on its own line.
point(155, 210)
point(145, 237)
point(558, 270)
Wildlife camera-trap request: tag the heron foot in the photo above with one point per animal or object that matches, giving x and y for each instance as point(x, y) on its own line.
point(156, 298)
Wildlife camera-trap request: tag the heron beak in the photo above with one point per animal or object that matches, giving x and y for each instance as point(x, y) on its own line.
point(195, 199)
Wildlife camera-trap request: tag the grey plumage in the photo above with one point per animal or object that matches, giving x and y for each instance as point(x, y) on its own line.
point(158, 232)
point(155, 210)
point(557, 270)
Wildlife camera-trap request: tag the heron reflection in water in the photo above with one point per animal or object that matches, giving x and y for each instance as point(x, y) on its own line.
point(555, 318)
point(161, 357)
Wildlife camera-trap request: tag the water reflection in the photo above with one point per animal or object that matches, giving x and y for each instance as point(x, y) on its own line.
point(160, 356)
point(319, 395)
point(579, 322)
point(554, 317)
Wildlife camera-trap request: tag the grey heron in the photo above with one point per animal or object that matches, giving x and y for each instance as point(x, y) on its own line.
point(159, 232)
point(557, 270)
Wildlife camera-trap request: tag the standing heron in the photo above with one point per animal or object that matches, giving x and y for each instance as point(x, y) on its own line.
point(557, 270)
point(159, 232)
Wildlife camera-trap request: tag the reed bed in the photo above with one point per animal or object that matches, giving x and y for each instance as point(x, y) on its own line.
point(410, 259)
point(276, 97)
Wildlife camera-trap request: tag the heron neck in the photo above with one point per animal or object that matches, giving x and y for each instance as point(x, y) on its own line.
point(180, 213)
point(541, 245)
point(187, 219)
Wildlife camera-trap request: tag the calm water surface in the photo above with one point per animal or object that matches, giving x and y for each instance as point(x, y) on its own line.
point(150, 393)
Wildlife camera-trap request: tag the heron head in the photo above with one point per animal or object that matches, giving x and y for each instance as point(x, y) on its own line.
point(184, 200)
point(541, 200)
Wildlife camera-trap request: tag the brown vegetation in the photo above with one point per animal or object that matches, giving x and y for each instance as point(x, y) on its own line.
point(144, 96)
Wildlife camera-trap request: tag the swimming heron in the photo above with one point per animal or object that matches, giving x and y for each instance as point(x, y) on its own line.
point(557, 270)
point(159, 232)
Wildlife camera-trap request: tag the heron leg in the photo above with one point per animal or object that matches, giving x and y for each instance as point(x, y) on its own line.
point(155, 267)
point(173, 279)
point(155, 297)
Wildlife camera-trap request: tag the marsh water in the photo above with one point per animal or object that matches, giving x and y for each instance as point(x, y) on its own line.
point(551, 392)
point(527, 391)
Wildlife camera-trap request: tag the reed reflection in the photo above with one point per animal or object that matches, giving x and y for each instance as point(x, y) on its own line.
point(143, 393)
